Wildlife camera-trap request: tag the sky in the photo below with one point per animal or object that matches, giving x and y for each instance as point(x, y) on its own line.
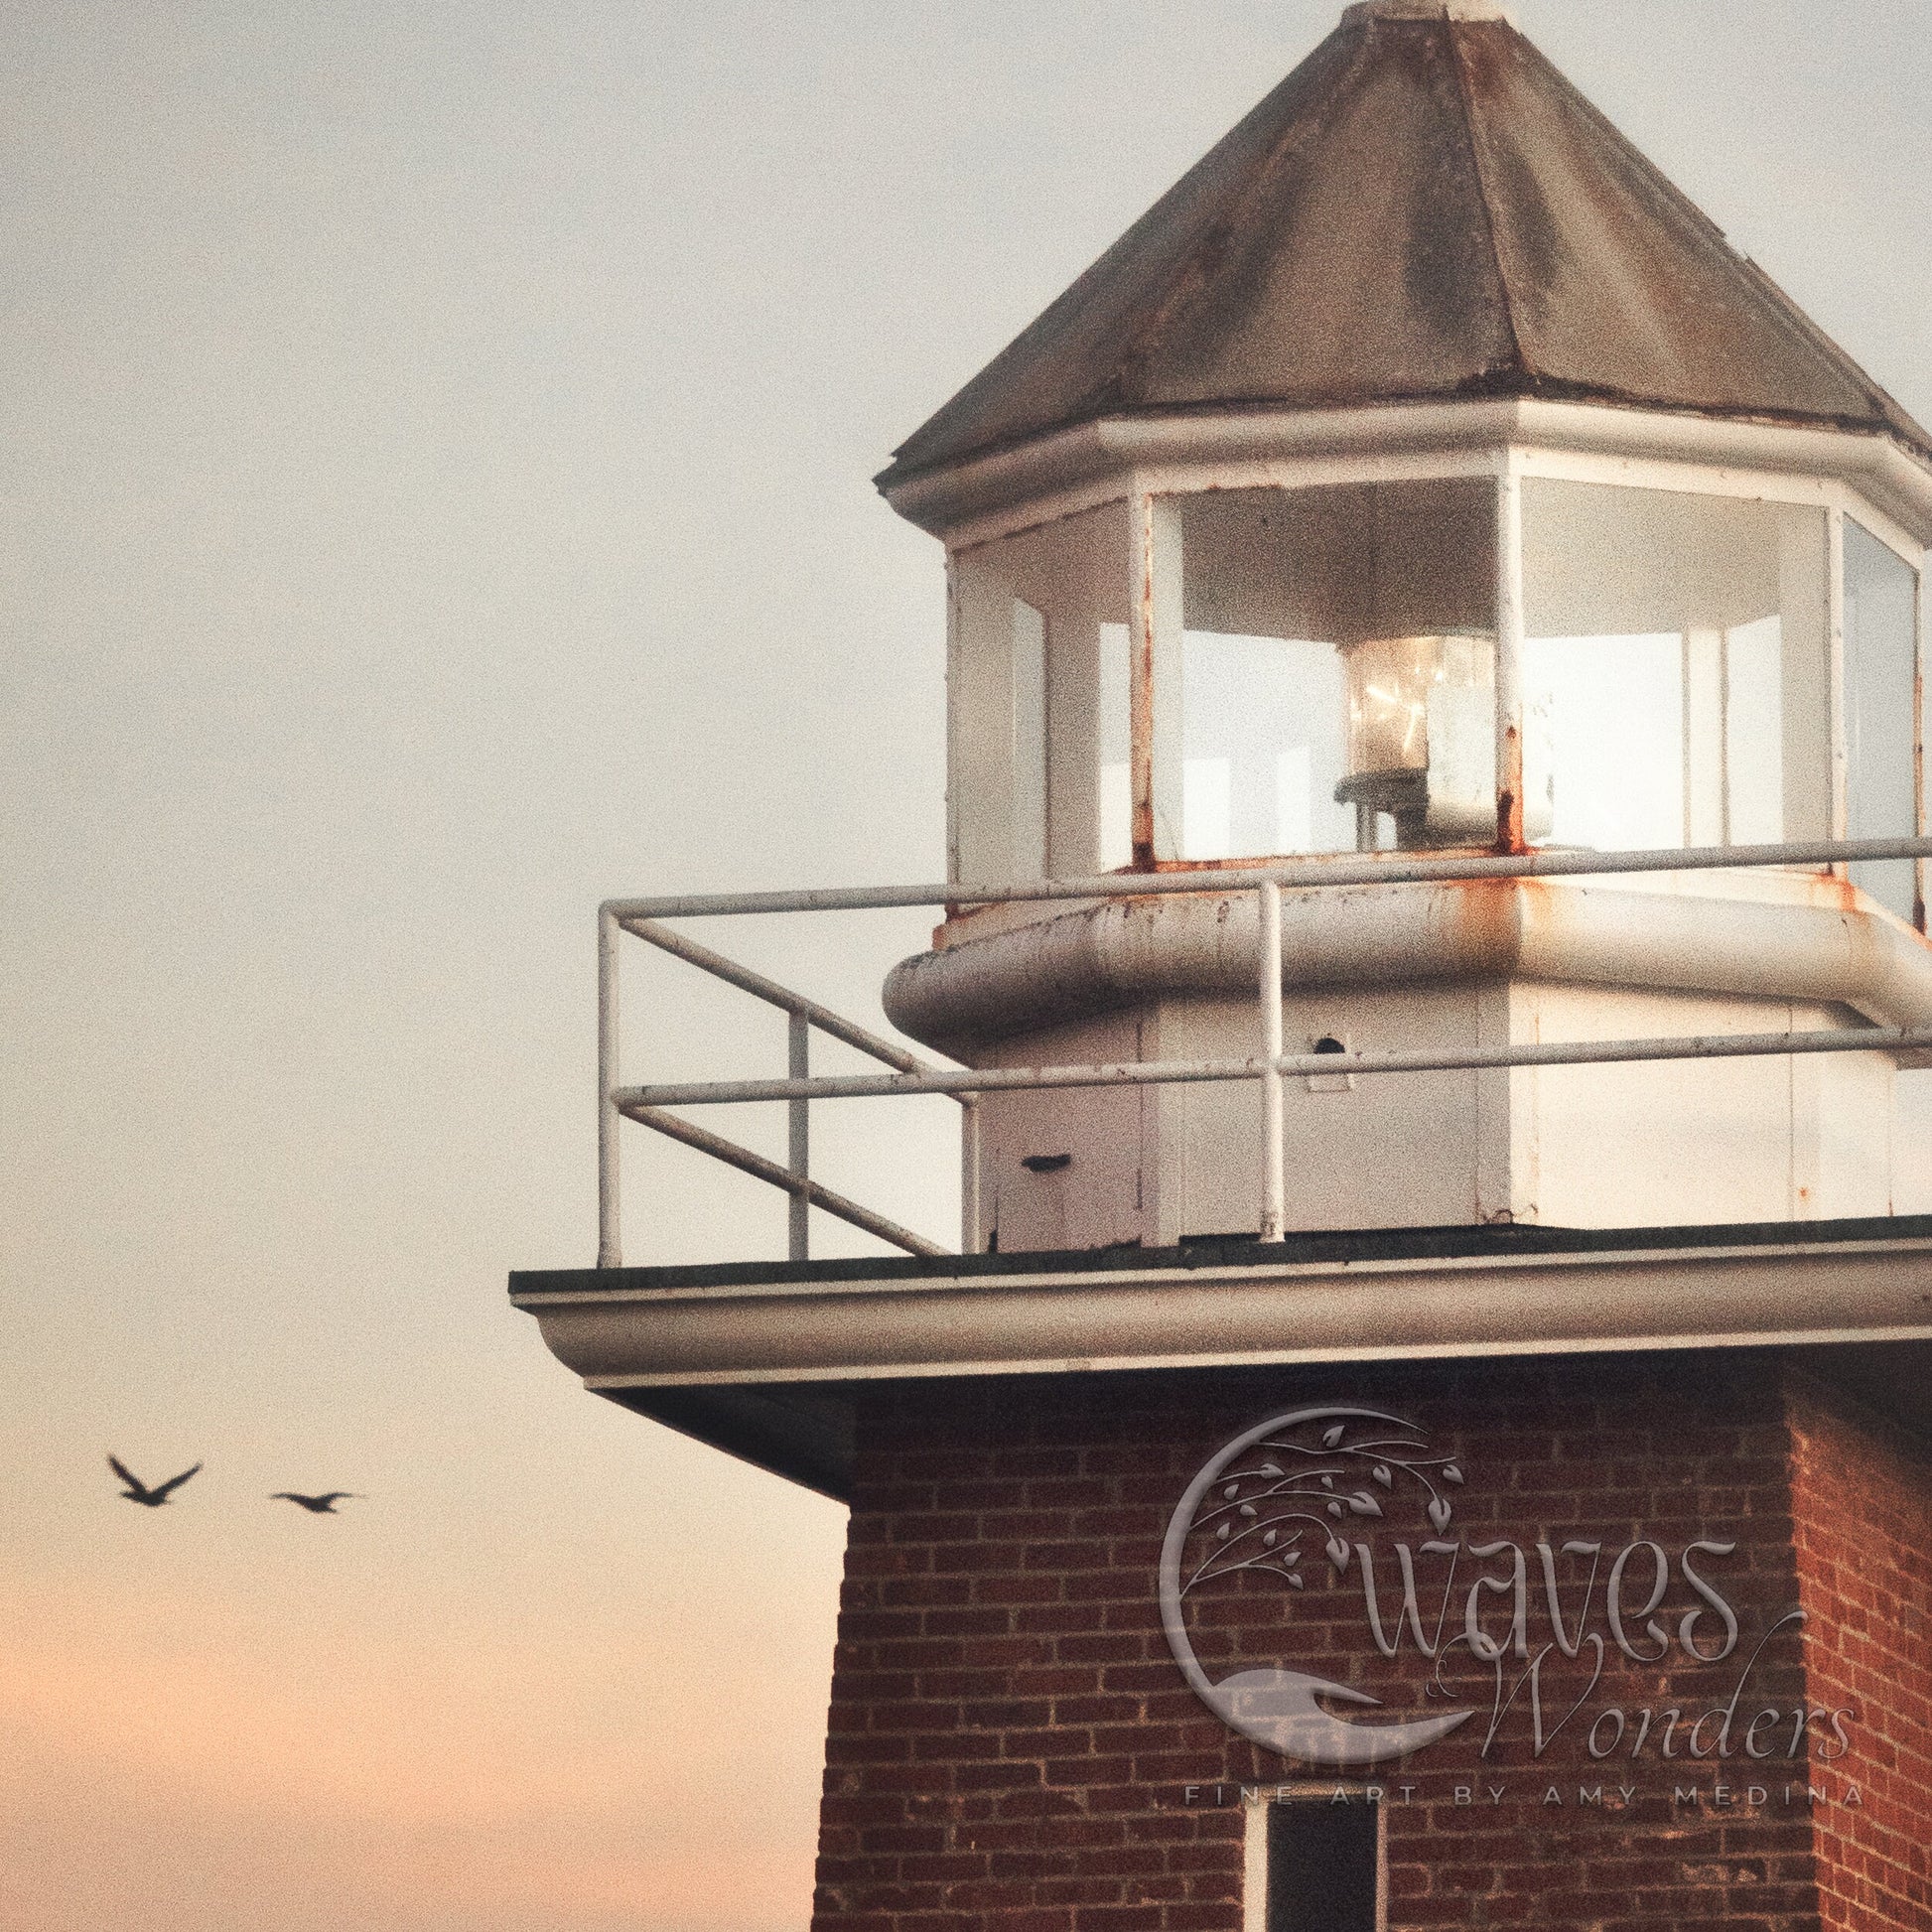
point(435, 467)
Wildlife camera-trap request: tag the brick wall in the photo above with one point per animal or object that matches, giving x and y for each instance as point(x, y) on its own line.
point(1862, 1503)
point(1012, 1744)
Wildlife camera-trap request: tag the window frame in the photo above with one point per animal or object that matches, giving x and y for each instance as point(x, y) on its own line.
point(1260, 1800)
point(1147, 499)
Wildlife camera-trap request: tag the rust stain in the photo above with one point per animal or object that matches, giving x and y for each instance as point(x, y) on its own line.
point(1388, 856)
point(1509, 794)
point(1485, 913)
point(1482, 914)
point(1841, 891)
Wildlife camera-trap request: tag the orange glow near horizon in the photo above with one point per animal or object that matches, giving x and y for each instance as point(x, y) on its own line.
point(434, 483)
point(384, 1790)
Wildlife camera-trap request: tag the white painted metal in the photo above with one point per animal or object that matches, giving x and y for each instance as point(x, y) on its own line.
point(1016, 1079)
point(1321, 471)
point(979, 720)
point(1512, 815)
point(768, 990)
point(1274, 1173)
point(971, 1240)
point(1141, 644)
point(803, 1015)
point(1835, 593)
point(1343, 868)
point(1254, 1311)
point(1077, 467)
point(1769, 934)
point(1050, 600)
point(1254, 1861)
point(953, 716)
point(1921, 686)
point(1168, 698)
point(914, 1077)
point(1155, 566)
point(1705, 479)
point(1102, 1195)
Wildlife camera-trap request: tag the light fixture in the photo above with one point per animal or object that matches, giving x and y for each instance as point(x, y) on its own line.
point(1422, 737)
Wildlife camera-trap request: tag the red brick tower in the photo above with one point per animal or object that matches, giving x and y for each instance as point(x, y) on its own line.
point(1430, 1426)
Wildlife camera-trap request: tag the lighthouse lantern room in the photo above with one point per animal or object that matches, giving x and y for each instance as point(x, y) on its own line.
point(1428, 1421)
point(1425, 476)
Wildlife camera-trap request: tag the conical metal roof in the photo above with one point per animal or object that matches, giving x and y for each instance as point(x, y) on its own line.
point(1423, 210)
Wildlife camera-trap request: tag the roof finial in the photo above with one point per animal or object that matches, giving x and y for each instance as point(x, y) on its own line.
point(1429, 10)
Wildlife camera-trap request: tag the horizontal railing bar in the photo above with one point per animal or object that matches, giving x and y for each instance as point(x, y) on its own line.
point(1353, 869)
point(770, 990)
point(1007, 1079)
point(819, 1195)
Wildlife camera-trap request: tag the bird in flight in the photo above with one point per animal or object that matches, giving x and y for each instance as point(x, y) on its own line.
point(315, 1505)
point(138, 1491)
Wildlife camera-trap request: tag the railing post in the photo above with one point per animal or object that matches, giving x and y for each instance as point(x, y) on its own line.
point(1274, 1173)
point(969, 1175)
point(798, 1031)
point(610, 1238)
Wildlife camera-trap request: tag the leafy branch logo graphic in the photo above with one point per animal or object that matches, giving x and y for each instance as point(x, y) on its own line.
point(1282, 1488)
point(1257, 1505)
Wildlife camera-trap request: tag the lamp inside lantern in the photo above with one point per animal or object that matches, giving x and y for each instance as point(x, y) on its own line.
point(1421, 739)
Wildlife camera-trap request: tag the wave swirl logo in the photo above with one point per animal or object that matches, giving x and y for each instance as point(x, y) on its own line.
point(1281, 1496)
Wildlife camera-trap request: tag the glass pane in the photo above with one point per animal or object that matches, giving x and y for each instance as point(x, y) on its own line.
point(1754, 733)
point(1612, 711)
point(1337, 669)
point(1880, 644)
point(1263, 726)
point(1036, 710)
point(1115, 749)
point(1029, 742)
point(1676, 668)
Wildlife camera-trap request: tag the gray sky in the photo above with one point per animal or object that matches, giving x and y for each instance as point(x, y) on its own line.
point(436, 453)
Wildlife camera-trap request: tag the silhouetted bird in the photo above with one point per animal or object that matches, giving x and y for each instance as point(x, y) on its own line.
point(138, 1491)
point(315, 1505)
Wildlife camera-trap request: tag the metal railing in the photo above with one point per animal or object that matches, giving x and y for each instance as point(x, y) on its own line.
point(1270, 1065)
point(803, 1015)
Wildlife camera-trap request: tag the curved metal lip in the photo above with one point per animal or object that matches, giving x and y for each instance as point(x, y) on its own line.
point(1065, 1319)
point(765, 1360)
point(1787, 936)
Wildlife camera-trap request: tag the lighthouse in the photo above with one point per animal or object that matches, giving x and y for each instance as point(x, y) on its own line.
point(1425, 1424)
